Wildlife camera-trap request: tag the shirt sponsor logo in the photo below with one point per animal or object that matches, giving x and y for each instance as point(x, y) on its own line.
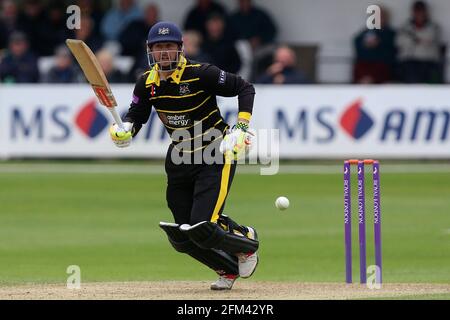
point(177, 120)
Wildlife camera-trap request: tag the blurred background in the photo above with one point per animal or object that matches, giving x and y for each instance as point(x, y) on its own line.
point(323, 41)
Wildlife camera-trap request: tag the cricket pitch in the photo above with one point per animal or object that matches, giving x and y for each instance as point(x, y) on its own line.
point(175, 290)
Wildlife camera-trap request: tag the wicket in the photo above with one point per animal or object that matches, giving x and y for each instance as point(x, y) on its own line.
point(362, 218)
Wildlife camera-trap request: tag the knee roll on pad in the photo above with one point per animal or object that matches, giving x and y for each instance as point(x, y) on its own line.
point(209, 235)
point(177, 239)
point(221, 262)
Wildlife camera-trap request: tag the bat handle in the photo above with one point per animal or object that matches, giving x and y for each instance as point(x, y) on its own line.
point(116, 117)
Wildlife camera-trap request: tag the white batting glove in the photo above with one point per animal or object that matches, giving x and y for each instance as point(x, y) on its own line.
point(236, 143)
point(121, 136)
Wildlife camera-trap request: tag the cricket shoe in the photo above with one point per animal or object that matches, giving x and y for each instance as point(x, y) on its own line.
point(248, 261)
point(225, 282)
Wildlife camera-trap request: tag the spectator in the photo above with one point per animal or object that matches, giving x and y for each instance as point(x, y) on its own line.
point(192, 42)
point(283, 70)
point(419, 47)
point(116, 19)
point(375, 53)
point(19, 65)
point(220, 48)
point(133, 37)
point(106, 61)
point(57, 23)
point(86, 33)
point(139, 67)
point(253, 24)
point(34, 23)
point(197, 16)
point(64, 71)
point(8, 22)
point(90, 8)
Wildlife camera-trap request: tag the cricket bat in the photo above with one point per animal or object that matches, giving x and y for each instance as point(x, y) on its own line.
point(95, 76)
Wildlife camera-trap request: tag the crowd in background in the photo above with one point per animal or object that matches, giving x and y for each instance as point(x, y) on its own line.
point(413, 54)
point(243, 41)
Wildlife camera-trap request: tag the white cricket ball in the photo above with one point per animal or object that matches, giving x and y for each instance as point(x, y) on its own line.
point(282, 203)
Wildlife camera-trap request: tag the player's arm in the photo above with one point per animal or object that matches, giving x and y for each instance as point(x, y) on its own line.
point(140, 107)
point(137, 115)
point(221, 83)
point(226, 84)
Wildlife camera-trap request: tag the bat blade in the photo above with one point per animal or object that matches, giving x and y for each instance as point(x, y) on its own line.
point(94, 75)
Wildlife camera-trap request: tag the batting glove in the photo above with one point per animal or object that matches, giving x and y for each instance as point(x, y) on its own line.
point(121, 136)
point(237, 142)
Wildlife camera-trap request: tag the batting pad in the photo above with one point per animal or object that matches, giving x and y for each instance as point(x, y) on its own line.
point(221, 262)
point(209, 235)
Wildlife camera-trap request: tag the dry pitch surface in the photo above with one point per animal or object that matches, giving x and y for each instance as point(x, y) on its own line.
point(163, 290)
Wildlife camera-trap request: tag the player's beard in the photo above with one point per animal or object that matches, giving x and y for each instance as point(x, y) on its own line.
point(171, 66)
point(167, 66)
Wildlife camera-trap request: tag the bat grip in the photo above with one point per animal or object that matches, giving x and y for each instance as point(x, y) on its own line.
point(116, 117)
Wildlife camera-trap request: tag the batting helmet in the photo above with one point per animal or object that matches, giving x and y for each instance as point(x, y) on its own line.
point(164, 31)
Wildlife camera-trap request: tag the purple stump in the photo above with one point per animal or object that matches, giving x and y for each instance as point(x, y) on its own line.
point(347, 222)
point(377, 218)
point(362, 223)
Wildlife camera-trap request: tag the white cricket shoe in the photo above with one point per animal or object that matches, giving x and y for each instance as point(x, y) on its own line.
point(248, 261)
point(224, 282)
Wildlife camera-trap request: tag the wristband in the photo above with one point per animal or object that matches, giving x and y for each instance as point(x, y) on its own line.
point(244, 115)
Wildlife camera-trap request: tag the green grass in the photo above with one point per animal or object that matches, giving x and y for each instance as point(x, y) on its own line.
point(108, 225)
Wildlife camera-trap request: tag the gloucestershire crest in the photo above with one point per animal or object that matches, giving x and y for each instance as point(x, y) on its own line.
point(184, 88)
point(163, 31)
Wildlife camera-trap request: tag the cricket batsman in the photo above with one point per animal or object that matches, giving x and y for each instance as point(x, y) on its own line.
point(201, 159)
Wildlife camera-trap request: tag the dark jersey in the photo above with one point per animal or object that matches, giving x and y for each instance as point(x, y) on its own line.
point(186, 102)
